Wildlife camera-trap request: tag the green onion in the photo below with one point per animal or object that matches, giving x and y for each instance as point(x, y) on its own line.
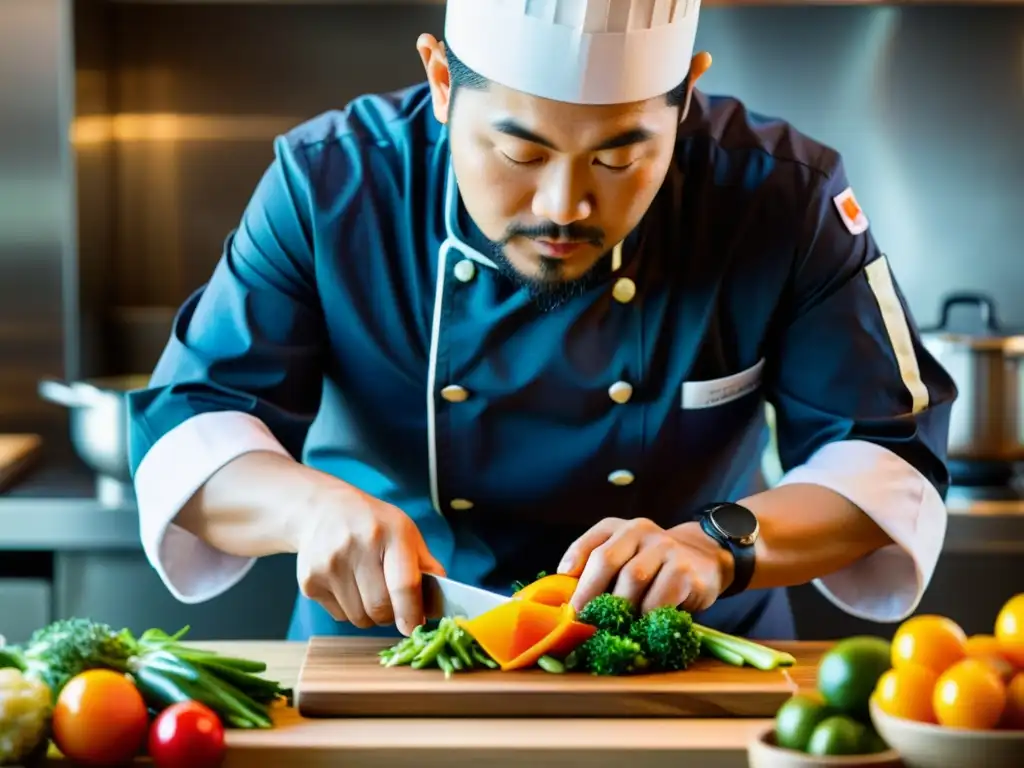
point(756, 655)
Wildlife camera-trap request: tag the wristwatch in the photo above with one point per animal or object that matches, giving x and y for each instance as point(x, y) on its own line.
point(735, 528)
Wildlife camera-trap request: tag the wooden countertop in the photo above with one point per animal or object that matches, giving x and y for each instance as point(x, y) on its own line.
point(458, 743)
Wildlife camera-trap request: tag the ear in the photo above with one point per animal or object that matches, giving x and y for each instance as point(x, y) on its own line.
point(699, 64)
point(435, 64)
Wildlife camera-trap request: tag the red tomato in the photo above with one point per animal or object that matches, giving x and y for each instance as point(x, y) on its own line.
point(187, 735)
point(100, 718)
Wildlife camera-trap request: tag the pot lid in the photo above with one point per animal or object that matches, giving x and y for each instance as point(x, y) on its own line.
point(985, 332)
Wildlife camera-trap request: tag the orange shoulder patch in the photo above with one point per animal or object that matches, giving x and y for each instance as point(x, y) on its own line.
point(850, 212)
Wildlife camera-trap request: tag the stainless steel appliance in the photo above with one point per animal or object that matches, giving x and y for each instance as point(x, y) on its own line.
point(986, 434)
point(99, 429)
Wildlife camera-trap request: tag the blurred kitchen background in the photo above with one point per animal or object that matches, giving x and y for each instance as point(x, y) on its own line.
point(132, 134)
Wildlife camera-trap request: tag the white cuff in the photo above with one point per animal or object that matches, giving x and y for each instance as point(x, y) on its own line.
point(170, 473)
point(887, 585)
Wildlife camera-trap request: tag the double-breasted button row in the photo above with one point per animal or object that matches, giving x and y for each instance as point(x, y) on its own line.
point(624, 291)
point(621, 392)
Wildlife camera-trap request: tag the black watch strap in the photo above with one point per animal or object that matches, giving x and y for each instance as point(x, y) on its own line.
point(735, 528)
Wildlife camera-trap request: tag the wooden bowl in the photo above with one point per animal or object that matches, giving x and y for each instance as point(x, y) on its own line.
point(922, 745)
point(762, 752)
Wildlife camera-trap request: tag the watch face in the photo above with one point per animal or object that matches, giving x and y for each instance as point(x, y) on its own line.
point(735, 521)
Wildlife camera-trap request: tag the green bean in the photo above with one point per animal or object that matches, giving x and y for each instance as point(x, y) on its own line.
point(448, 647)
point(483, 658)
point(210, 657)
point(431, 649)
point(461, 643)
point(404, 656)
point(551, 664)
point(444, 661)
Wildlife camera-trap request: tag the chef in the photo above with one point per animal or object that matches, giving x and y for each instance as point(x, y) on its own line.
point(529, 315)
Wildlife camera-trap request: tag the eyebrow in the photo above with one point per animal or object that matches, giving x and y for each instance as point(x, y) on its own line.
point(624, 139)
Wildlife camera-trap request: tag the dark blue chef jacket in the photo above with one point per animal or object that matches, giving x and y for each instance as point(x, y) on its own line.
point(356, 290)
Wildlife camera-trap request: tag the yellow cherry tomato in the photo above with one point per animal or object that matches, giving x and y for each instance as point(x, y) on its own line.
point(1009, 629)
point(907, 692)
point(969, 695)
point(928, 641)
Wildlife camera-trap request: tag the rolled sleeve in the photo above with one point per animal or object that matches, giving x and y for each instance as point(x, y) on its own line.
point(191, 569)
point(888, 584)
point(861, 407)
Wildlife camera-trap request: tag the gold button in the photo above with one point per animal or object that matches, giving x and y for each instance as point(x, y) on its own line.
point(624, 290)
point(455, 394)
point(620, 392)
point(461, 504)
point(621, 477)
point(465, 270)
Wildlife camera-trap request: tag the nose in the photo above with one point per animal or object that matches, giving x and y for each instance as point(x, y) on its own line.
point(562, 196)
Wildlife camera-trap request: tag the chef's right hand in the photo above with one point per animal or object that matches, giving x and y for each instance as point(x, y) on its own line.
point(362, 559)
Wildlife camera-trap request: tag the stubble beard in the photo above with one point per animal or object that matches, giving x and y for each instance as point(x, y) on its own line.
point(548, 290)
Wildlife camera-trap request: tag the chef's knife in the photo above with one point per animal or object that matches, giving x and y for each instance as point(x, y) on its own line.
point(445, 597)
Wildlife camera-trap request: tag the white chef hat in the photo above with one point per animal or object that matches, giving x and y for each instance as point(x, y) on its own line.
point(579, 51)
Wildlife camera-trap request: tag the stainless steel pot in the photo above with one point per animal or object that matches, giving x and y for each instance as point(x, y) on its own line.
point(99, 427)
point(987, 420)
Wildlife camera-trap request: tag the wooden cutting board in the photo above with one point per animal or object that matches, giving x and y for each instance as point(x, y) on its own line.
point(342, 677)
point(17, 453)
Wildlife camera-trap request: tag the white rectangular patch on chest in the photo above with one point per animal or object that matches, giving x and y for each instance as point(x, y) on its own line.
point(708, 394)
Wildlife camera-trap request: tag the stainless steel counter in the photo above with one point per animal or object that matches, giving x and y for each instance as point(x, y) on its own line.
point(984, 526)
point(55, 509)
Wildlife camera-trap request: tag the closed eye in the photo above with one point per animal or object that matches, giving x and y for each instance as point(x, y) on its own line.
point(615, 168)
point(520, 163)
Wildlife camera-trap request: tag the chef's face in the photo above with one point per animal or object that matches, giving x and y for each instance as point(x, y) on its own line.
point(554, 186)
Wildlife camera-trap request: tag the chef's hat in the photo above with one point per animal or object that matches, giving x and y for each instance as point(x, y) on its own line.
point(579, 51)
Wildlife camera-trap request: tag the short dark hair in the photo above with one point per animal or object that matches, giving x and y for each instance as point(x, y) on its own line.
point(462, 76)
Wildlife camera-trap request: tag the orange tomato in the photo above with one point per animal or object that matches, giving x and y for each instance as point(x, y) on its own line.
point(987, 648)
point(907, 692)
point(982, 646)
point(1009, 629)
point(969, 695)
point(928, 641)
point(100, 718)
point(1013, 716)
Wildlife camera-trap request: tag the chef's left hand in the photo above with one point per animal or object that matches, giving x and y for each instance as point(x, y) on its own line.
point(651, 566)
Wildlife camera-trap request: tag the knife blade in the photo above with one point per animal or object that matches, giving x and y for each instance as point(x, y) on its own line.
point(446, 597)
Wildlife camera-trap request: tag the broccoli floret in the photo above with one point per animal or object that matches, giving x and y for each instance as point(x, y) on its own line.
point(667, 637)
point(609, 612)
point(65, 648)
point(609, 654)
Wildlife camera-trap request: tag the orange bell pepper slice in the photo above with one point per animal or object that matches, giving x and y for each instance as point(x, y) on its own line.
point(517, 633)
point(555, 590)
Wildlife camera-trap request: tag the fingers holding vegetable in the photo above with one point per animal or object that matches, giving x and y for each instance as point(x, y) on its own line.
point(642, 562)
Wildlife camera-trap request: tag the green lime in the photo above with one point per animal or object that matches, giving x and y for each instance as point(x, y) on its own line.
point(849, 672)
point(837, 735)
point(797, 719)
